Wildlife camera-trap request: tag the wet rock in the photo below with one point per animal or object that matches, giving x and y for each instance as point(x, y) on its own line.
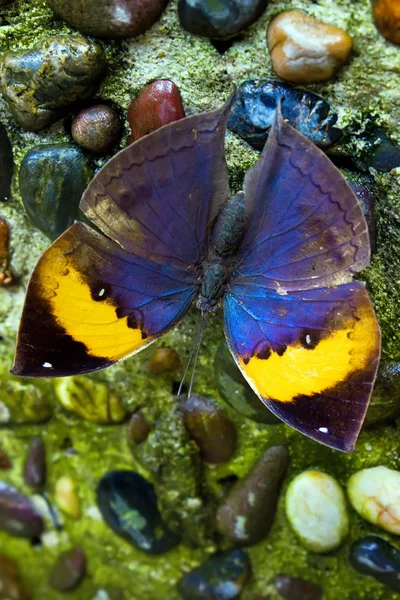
point(6, 275)
point(385, 401)
point(255, 106)
point(157, 104)
point(294, 588)
point(247, 513)
point(109, 19)
point(128, 504)
point(316, 509)
point(219, 19)
point(220, 577)
point(372, 555)
point(11, 586)
point(377, 151)
point(96, 128)
point(138, 429)
point(40, 83)
point(387, 19)
point(5, 462)
point(18, 516)
point(6, 165)
point(68, 571)
point(91, 400)
point(52, 179)
point(375, 494)
point(164, 360)
point(235, 390)
point(34, 473)
point(22, 402)
point(67, 498)
point(367, 200)
point(210, 427)
point(304, 49)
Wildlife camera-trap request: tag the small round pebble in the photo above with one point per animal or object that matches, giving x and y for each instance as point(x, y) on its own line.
point(304, 49)
point(294, 588)
point(164, 360)
point(316, 509)
point(138, 429)
point(375, 494)
point(67, 498)
point(96, 128)
point(387, 19)
point(34, 472)
point(68, 571)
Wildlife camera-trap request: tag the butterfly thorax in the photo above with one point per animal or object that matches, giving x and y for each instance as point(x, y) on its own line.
point(226, 236)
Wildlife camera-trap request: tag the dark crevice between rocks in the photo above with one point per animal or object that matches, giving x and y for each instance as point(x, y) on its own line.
point(223, 46)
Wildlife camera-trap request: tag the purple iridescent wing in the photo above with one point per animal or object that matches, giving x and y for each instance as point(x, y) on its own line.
point(303, 333)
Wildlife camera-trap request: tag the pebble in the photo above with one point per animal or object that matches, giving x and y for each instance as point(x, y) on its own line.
point(385, 400)
point(91, 400)
point(6, 164)
point(109, 19)
point(221, 19)
point(164, 360)
point(22, 402)
point(221, 577)
point(210, 427)
point(294, 588)
point(52, 179)
point(66, 496)
point(5, 462)
point(34, 472)
point(375, 494)
point(316, 509)
point(234, 389)
point(372, 555)
point(255, 106)
point(18, 515)
point(304, 49)
point(248, 511)
point(96, 128)
point(377, 151)
point(157, 104)
point(69, 570)
point(11, 585)
point(387, 19)
point(128, 504)
point(6, 275)
point(138, 429)
point(40, 83)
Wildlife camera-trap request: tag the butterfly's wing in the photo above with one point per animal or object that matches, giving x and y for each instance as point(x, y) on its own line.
point(92, 299)
point(302, 332)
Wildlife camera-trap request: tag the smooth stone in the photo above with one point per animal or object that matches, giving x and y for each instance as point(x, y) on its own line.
point(128, 504)
point(52, 179)
point(66, 496)
point(385, 400)
point(18, 515)
point(221, 577)
point(22, 402)
point(6, 275)
point(91, 400)
point(39, 84)
point(158, 103)
point(138, 429)
point(34, 473)
point(164, 360)
point(6, 164)
point(11, 585)
point(247, 513)
point(235, 391)
point(375, 494)
point(96, 128)
point(372, 555)
point(254, 111)
point(210, 427)
point(316, 509)
point(387, 19)
point(304, 49)
point(109, 19)
point(294, 588)
point(368, 201)
point(68, 571)
point(219, 19)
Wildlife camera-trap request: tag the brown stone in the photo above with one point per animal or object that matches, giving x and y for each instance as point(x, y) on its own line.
point(294, 588)
point(138, 429)
point(11, 586)
point(387, 18)
point(34, 472)
point(69, 570)
point(96, 128)
point(6, 276)
point(164, 360)
point(304, 49)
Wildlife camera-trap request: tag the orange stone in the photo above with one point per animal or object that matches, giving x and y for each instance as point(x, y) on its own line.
point(304, 49)
point(387, 19)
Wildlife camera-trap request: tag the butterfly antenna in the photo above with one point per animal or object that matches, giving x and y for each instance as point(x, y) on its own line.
point(193, 353)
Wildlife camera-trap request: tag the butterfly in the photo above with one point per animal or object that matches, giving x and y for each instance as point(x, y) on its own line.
point(280, 257)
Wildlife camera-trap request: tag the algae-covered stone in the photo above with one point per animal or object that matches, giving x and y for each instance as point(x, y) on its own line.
point(316, 509)
point(66, 496)
point(38, 84)
point(372, 555)
point(22, 402)
point(52, 180)
point(91, 400)
point(6, 164)
point(375, 494)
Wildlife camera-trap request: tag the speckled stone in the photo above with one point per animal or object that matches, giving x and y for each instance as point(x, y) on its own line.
point(109, 19)
point(52, 179)
point(18, 516)
point(374, 556)
point(387, 19)
point(6, 165)
point(96, 128)
point(69, 570)
point(40, 83)
point(11, 585)
point(34, 472)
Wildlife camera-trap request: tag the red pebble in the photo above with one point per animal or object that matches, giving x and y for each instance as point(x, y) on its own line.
point(157, 104)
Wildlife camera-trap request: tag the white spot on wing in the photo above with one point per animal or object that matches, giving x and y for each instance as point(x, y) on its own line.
point(308, 339)
point(101, 292)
